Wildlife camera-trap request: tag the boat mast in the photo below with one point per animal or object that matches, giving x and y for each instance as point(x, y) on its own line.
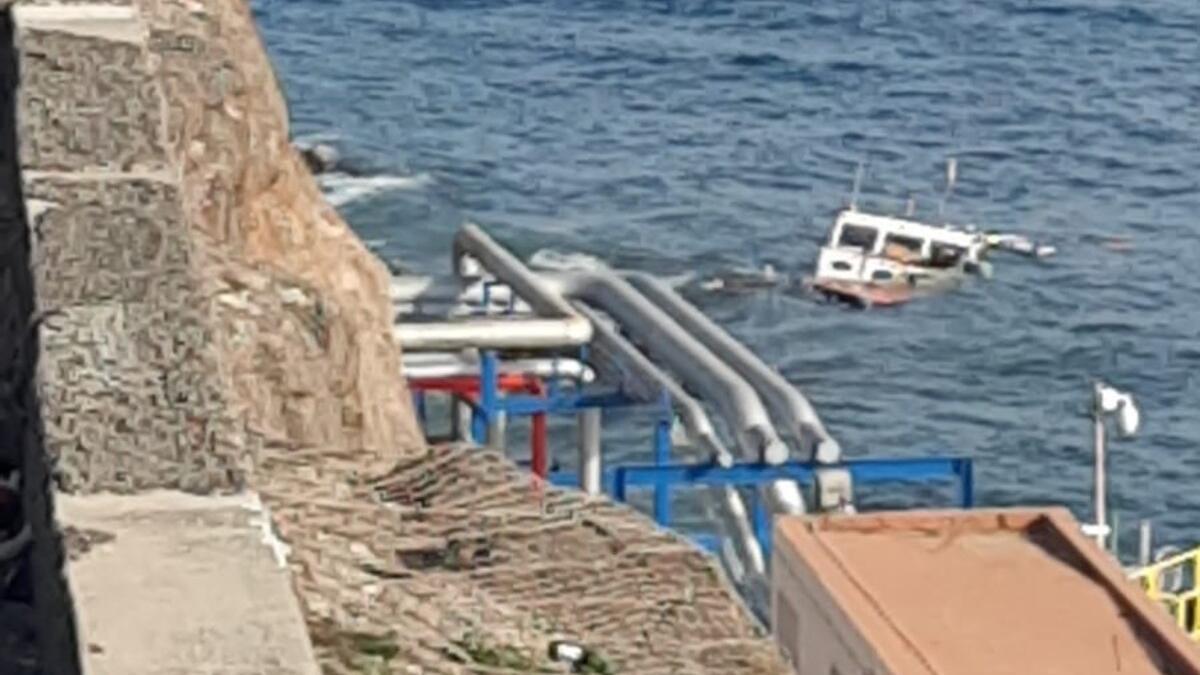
point(951, 179)
point(858, 176)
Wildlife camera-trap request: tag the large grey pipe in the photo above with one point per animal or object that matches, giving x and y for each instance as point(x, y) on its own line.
point(474, 242)
point(471, 242)
point(492, 333)
point(699, 428)
point(451, 364)
point(690, 360)
point(788, 405)
point(700, 369)
point(734, 518)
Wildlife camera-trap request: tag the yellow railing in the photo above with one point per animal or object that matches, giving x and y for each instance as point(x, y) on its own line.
point(1173, 583)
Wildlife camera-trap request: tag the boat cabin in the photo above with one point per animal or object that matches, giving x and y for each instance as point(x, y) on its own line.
point(877, 249)
point(937, 246)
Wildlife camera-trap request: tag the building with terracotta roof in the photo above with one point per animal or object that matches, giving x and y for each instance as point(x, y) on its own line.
point(989, 592)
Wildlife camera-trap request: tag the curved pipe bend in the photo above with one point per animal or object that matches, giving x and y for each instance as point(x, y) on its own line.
point(690, 360)
point(557, 324)
point(699, 428)
point(472, 242)
point(799, 418)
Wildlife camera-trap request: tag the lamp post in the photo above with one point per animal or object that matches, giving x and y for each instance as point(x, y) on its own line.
point(1107, 401)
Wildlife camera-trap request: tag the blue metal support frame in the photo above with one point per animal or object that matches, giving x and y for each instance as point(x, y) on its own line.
point(864, 471)
point(663, 476)
point(422, 409)
point(493, 402)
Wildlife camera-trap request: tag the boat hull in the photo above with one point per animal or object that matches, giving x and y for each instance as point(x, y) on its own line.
point(865, 294)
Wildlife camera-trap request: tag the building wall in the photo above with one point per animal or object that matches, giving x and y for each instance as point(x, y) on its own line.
point(813, 631)
point(991, 565)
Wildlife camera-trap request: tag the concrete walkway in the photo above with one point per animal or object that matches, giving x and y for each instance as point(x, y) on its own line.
point(171, 583)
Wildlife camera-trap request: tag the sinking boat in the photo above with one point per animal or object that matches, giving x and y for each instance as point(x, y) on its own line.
point(884, 260)
point(872, 259)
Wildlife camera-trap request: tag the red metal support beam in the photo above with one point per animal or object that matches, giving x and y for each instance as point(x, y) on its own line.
point(465, 384)
point(467, 387)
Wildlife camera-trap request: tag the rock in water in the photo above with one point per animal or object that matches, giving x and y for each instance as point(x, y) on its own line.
point(320, 158)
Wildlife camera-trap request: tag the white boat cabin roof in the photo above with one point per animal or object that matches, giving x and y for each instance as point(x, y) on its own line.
point(906, 228)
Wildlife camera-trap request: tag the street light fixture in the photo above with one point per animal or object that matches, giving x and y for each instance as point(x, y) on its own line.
point(1107, 401)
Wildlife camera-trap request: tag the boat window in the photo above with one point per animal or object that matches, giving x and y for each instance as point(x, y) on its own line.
point(904, 249)
point(881, 275)
point(946, 255)
point(841, 265)
point(858, 236)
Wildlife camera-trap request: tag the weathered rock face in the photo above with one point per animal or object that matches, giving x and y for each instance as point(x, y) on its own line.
point(201, 296)
point(249, 191)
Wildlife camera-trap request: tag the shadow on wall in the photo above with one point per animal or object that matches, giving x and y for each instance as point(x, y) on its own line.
point(37, 618)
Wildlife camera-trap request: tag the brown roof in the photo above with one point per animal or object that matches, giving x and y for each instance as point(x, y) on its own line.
point(985, 593)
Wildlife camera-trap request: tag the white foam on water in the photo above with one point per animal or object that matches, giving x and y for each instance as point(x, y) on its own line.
point(309, 140)
point(679, 280)
point(562, 261)
point(553, 260)
point(341, 189)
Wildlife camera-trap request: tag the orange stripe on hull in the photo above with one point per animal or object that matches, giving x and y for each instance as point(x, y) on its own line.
point(867, 294)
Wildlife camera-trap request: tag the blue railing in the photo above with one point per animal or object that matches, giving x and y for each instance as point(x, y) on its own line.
point(665, 478)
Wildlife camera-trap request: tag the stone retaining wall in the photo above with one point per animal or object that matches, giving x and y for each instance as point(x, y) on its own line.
point(37, 626)
point(155, 144)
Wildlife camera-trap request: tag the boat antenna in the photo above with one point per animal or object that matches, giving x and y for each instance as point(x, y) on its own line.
point(858, 176)
point(951, 179)
point(911, 208)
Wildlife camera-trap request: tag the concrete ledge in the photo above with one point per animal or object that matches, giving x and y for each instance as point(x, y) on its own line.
point(106, 21)
point(170, 583)
point(101, 176)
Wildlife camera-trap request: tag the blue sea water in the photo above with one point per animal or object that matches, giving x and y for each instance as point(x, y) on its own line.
point(679, 135)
